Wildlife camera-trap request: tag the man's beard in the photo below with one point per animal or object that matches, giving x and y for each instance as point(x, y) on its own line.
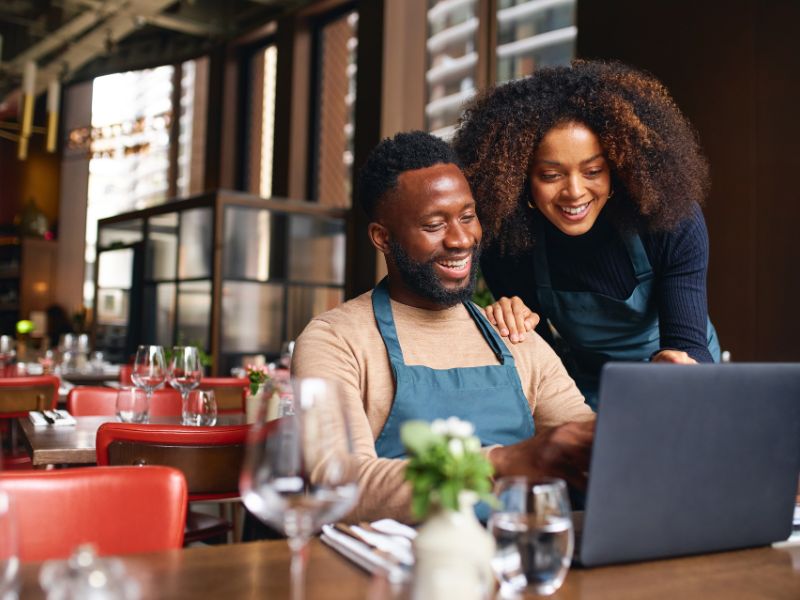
point(421, 277)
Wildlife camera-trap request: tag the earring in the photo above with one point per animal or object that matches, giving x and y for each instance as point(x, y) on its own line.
point(531, 205)
point(611, 194)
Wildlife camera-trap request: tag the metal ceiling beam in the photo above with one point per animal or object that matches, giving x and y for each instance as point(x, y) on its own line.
point(187, 26)
point(77, 26)
point(96, 42)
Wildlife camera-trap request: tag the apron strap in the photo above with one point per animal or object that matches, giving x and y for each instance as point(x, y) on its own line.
point(638, 256)
point(500, 350)
point(382, 308)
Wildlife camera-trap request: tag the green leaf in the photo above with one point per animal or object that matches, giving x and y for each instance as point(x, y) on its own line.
point(417, 437)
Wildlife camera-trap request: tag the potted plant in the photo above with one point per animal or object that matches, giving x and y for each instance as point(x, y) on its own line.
point(449, 474)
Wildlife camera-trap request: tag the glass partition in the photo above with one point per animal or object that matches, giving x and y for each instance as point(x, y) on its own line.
point(196, 239)
point(162, 247)
point(279, 264)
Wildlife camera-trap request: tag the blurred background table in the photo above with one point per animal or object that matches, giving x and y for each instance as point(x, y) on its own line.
point(261, 570)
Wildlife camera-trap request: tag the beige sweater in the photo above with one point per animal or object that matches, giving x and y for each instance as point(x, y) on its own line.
point(344, 344)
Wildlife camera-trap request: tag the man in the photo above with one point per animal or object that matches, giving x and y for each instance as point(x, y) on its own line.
point(416, 347)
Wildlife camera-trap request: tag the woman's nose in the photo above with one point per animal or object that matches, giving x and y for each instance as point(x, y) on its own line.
point(575, 188)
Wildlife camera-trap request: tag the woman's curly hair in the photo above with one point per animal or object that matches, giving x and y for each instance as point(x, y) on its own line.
point(658, 171)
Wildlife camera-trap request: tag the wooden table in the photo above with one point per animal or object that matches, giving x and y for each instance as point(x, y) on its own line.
point(75, 445)
point(261, 570)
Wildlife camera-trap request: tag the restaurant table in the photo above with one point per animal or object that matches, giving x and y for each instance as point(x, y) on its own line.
point(261, 570)
point(75, 444)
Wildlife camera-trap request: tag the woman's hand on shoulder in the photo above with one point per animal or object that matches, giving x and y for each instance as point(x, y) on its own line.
point(673, 356)
point(512, 318)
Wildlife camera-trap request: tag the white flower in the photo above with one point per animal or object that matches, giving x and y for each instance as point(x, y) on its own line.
point(458, 428)
point(456, 447)
point(472, 444)
point(439, 427)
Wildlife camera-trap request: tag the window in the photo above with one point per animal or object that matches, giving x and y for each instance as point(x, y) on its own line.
point(129, 144)
point(262, 72)
point(529, 34)
point(129, 163)
point(336, 46)
point(192, 128)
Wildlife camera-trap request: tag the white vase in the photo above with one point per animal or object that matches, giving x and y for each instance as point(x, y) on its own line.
point(453, 555)
point(264, 405)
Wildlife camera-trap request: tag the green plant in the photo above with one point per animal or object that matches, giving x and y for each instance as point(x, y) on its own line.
point(445, 458)
point(482, 296)
point(258, 376)
point(205, 359)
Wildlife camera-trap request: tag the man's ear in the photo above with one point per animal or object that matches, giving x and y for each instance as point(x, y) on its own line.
point(379, 236)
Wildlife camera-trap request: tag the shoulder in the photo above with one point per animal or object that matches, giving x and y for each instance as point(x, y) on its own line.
point(345, 321)
point(687, 240)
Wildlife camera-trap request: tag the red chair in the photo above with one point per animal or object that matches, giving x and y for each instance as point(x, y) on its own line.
point(87, 401)
point(229, 392)
point(121, 510)
point(19, 396)
point(209, 457)
point(125, 374)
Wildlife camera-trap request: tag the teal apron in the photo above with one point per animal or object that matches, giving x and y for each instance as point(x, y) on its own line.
point(489, 397)
point(597, 328)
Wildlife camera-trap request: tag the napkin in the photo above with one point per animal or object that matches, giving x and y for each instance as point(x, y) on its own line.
point(383, 546)
point(61, 418)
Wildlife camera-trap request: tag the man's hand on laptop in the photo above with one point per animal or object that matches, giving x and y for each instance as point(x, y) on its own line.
point(562, 451)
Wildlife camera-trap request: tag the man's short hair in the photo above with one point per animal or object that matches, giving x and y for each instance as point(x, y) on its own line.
point(393, 157)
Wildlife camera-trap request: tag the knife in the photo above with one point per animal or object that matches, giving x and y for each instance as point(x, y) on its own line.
point(47, 417)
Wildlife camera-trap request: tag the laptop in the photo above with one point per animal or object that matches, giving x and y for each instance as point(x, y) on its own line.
point(690, 459)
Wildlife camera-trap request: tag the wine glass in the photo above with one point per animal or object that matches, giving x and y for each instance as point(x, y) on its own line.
point(9, 556)
point(149, 369)
point(299, 471)
point(185, 373)
point(532, 528)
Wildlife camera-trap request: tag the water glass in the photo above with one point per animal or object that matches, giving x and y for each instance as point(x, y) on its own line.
point(9, 556)
point(201, 408)
point(532, 527)
point(133, 405)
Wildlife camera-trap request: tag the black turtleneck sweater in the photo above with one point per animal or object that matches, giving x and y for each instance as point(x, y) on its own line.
point(598, 262)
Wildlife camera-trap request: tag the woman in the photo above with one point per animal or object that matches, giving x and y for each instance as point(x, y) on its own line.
point(589, 181)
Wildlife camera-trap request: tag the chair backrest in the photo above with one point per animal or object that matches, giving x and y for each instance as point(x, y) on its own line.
point(87, 401)
point(125, 374)
point(210, 457)
point(121, 510)
point(19, 395)
point(229, 392)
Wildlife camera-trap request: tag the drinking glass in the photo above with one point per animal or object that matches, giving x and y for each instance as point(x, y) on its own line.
point(133, 405)
point(149, 369)
point(201, 408)
point(9, 557)
point(298, 472)
point(532, 527)
point(185, 373)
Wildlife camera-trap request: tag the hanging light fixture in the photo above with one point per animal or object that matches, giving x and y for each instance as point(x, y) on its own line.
point(27, 100)
point(53, 98)
point(28, 91)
